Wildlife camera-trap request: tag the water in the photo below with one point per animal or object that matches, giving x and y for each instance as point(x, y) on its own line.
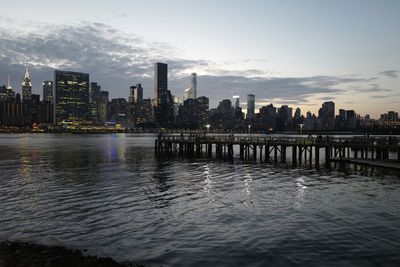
point(108, 194)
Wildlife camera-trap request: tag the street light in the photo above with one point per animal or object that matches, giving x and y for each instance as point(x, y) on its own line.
point(301, 128)
point(249, 127)
point(208, 128)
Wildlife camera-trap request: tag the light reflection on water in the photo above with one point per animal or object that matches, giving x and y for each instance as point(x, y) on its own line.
point(108, 194)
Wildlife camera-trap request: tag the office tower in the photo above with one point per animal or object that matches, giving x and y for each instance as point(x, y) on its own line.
point(342, 114)
point(202, 110)
point(326, 114)
point(136, 94)
point(131, 98)
point(117, 110)
point(48, 91)
point(146, 113)
point(26, 86)
point(284, 117)
point(94, 92)
point(268, 117)
point(236, 100)
point(190, 119)
point(10, 92)
point(250, 106)
point(102, 108)
point(163, 101)
point(297, 114)
point(160, 82)
point(71, 95)
point(94, 101)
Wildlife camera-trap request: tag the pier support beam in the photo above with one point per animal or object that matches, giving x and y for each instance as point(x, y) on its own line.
point(294, 156)
point(317, 157)
point(266, 153)
point(283, 154)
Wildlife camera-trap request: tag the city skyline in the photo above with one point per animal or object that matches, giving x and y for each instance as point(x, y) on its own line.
point(339, 61)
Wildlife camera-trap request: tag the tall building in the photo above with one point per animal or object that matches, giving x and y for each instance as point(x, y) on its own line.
point(102, 107)
point(131, 98)
point(163, 100)
point(26, 86)
point(250, 106)
point(327, 115)
point(193, 85)
point(10, 92)
point(190, 119)
point(297, 113)
point(136, 94)
point(268, 117)
point(160, 82)
point(202, 110)
point(71, 95)
point(94, 101)
point(94, 92)
point(48, 91)
point(191, 92)
point(236, 100)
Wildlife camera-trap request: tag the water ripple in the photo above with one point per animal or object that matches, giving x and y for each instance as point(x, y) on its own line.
point(108, 194)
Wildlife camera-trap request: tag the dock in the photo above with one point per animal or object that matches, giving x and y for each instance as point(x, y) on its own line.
point(308, 151)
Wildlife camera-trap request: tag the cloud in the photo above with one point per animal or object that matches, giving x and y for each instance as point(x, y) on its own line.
point(117, 60)
point(390, 73)
point(369, 88)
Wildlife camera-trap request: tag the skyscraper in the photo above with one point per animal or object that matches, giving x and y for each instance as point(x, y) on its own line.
point(250, 106)
point(26, 86)
point(10, 92)
point(193, 85)
point(327, 115)
point(163, 101)
point(136, 94)
point(297, 113)
point(94, 101)
point(47, 91)
point(71, 95)
point(102, 107)
point(191, 92)
point(236, 100)
point(160, 82)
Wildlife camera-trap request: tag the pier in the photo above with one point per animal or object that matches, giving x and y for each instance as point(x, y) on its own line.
point(309, 151)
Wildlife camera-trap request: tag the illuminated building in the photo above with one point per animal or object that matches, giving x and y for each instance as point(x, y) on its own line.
point(26, 86)
point(71, 95)
point(48, 91)
point(250, 106)
point(163, 101)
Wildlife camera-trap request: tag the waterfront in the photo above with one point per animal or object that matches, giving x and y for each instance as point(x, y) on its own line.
point(110, 195)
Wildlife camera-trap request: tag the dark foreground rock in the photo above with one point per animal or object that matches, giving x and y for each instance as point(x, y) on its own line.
point(18, 254)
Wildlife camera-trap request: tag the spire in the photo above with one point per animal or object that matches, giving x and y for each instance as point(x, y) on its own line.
point(27, 79)
point(9, 87)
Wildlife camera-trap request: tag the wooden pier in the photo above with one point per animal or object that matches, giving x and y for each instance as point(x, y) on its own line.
point(298, 150)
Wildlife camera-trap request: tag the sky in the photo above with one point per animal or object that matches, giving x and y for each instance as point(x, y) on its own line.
point(299, 53)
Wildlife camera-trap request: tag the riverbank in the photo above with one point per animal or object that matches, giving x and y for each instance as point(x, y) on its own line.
point(20, 254)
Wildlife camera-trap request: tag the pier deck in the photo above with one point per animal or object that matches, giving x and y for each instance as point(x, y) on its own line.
point(278, 149)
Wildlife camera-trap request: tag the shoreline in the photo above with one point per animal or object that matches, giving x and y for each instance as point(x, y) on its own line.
point(21, 254)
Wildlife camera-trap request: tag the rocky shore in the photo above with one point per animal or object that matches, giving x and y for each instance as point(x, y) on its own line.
point(19, 254)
